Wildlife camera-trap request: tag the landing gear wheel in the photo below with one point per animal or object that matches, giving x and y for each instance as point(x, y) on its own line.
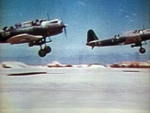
point(42, 53)
point(142, 50)
point(47, 49)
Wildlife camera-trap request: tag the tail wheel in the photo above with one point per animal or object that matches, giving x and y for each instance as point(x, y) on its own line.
point(42, 53)
point(47, 49)
point(142, 50)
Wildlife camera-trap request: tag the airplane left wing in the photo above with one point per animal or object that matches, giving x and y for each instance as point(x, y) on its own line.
point(23, 38)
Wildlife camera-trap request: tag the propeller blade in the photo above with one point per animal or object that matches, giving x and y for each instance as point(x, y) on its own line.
point(65, 31)
point(143, 27)
point(64, 27)
point(48, 16)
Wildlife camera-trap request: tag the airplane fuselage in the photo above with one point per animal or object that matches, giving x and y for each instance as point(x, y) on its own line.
point(33, 30)
point(122, 40)
point(136, 38)
point(33, 33)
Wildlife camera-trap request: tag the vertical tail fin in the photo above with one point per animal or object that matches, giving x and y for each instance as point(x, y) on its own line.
point(91, 36)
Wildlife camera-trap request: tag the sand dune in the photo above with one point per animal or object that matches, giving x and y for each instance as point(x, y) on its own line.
point(56, 64)
point(133, 64)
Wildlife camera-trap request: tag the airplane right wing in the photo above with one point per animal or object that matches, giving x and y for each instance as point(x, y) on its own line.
point(23, 38)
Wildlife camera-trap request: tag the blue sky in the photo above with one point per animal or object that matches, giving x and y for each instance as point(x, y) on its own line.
point(105, 17)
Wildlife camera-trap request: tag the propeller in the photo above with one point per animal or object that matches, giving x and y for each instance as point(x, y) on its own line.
point(64, 26)
point(65, 31)
point(143, 27)
point(48, 16)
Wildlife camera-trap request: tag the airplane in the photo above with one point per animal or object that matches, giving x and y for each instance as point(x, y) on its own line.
point(134, 37)
point(34, 33)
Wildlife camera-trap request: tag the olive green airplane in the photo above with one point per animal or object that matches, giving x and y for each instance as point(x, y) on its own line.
point(134, 37)
point(34, 33)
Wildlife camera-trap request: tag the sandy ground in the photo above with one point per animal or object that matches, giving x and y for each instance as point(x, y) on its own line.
point(75, 90)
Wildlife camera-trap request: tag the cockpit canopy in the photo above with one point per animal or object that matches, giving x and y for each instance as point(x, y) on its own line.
point(131, 33)
point(29, 23)
point(54, 21)
point(146, 31)
point(24, 24)
point(37, 22)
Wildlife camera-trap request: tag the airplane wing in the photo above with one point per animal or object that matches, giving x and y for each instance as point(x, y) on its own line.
point(23, 38)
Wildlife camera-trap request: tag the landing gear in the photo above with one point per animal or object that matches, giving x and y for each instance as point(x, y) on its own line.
point(47, 49)
point(142, 50)
point(43, 52)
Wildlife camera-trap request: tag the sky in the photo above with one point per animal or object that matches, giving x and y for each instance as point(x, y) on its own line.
point(106, 17)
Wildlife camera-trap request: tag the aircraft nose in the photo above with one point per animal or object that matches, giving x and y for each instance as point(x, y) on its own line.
point(62, 24)
point(64, 27)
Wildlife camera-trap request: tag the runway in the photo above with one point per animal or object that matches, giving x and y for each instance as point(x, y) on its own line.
point(75, 90)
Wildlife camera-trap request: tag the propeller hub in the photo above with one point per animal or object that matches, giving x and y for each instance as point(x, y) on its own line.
point(64, 27)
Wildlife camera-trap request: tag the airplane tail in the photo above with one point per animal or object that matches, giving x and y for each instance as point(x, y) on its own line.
point(91, 36)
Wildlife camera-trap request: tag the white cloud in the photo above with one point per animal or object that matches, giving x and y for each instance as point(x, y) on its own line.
point(134, 14)
point(127, 16)
point(131, 20)
point(81, 3)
